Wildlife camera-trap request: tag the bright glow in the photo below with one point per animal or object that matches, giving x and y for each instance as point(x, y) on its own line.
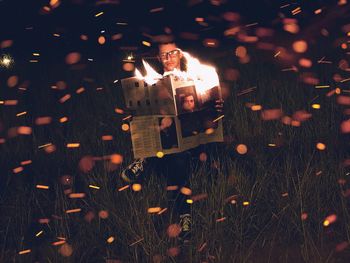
point(136, 187)
point(160, 154)
point(138, 74)
point(110, 240)
point(6, 61)
point(152, 76)
point(204, 76)
point(321, 146)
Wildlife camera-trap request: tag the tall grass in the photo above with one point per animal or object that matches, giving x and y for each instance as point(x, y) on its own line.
point(254, 205)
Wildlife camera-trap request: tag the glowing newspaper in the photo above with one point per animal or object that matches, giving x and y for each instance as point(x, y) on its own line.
point(171, 115)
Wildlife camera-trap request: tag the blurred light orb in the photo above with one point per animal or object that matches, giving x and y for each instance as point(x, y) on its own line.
point(103, 214)
point(128, 66)
point(84, 37)
point(330, 220)
point(73, 58)
point(304, 62)
point(50, 148)
point(345, 126)
point(203, 157)
point(116, 158)
point(271, 114)
point(110, 240)
point(321, 146)
point(209, 131)
point(242, 149)
point(153, 210)
point(186, 191)
point(256, 107)
point(241, 51)
point(136, 187)
point(101, 40)
point(6, 43)
point(66, 250)
point(343, 64)
point(304, 216)
point(160, 154)
point(6, 61)
point(291, 28)
point(12, 81)
point(125, 127)
point(86, 164)
point(244, 60)
point(173, 230)
point(295, 123)
point(300, 46)
point(61, 85)
point(173, 251)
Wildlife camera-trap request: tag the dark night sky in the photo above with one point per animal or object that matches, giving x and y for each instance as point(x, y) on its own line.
point(31, 29)
point(194, 23)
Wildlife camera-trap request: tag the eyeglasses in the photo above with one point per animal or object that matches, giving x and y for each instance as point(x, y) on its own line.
point(171, 54)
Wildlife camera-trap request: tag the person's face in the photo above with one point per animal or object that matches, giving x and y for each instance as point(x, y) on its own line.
point(188, 104)
point(170, 56)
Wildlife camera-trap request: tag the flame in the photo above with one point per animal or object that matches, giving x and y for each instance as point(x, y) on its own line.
point(204, 76)
point(151, 76)
point(138, 74)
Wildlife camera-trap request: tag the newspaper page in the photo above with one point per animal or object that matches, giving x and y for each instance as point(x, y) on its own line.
point(172, 115)
point(153, 134)
point(143, 99)
point(169, 134)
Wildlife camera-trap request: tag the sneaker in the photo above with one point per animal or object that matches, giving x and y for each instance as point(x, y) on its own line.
point(133, 171)
point(186, 225)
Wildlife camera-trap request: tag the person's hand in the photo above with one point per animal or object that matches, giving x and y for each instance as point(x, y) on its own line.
point(219, 105)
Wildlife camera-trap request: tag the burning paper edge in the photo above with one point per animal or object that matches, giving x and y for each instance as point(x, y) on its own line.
point(204, 76)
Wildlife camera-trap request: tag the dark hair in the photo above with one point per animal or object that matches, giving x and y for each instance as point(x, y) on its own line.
point(166, 43)
point(185, 95)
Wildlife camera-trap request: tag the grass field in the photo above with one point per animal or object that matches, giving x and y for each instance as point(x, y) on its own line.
point(284, 200)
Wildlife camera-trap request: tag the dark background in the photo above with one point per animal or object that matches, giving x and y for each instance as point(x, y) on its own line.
point(277, 82)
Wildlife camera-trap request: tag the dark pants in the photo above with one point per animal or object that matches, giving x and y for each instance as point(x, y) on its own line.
point(176, 168)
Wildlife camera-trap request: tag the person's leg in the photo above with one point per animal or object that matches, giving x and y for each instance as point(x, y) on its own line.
point(178, 174)
point(179, 170)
